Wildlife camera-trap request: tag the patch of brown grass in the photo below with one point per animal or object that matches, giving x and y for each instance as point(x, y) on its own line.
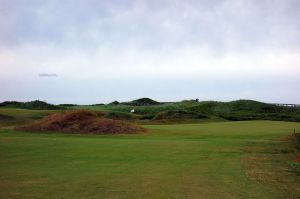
point(268, 163)
point(81, 121)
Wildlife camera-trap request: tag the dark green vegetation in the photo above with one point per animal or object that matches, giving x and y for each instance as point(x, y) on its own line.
point(138, 102)
point(213, 160)
point(178, 115)
point(233, 111)
point(148, 109)
point(33, 105)
point(142, 102)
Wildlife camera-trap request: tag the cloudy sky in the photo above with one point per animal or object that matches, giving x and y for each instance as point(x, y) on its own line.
point(93, 51)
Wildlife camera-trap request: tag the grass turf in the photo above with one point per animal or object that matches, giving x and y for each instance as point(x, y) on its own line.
point(170, 161)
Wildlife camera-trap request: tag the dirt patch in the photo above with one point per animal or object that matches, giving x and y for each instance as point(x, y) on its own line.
point(83, 122)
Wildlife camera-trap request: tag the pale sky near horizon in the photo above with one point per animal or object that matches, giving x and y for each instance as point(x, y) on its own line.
point(93, 51)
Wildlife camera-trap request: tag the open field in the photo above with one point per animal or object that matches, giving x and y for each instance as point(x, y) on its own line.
point(247, 159)
point(149, 99)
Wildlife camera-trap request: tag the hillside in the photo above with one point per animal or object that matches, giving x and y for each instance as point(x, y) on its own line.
point(148, 109)
point(237, 110)
point(142, 102)
point(34, 105)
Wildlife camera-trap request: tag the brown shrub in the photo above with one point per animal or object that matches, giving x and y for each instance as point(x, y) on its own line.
point(81, 121)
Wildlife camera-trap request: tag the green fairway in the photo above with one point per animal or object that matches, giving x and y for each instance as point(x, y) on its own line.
point(209, 160)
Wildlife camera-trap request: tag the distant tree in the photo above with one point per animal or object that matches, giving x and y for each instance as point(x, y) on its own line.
point(197, 100)
point(114, 103)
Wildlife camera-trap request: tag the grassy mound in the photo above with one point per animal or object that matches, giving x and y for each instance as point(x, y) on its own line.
point(33, 105)
point(81, 121)
point(143, 102)
point(178, 114)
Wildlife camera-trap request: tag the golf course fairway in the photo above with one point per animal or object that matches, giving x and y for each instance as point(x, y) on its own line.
point(248, 159)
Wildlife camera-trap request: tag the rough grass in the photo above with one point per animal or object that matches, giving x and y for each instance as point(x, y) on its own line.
point(6, 118)
point(234, 111)
point(178, 115)
point(119, 115)
point(170, 161)
point(20, 116)
point(81, 121)
point(271, 164)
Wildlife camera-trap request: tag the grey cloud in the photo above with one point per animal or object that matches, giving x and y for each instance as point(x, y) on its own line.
point(152, 25)
point(95, 37)
point(48, 75)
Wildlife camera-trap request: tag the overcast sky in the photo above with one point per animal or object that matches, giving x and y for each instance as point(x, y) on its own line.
point(93, 51)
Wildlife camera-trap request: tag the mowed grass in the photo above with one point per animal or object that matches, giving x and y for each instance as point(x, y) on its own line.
point(169, 161)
